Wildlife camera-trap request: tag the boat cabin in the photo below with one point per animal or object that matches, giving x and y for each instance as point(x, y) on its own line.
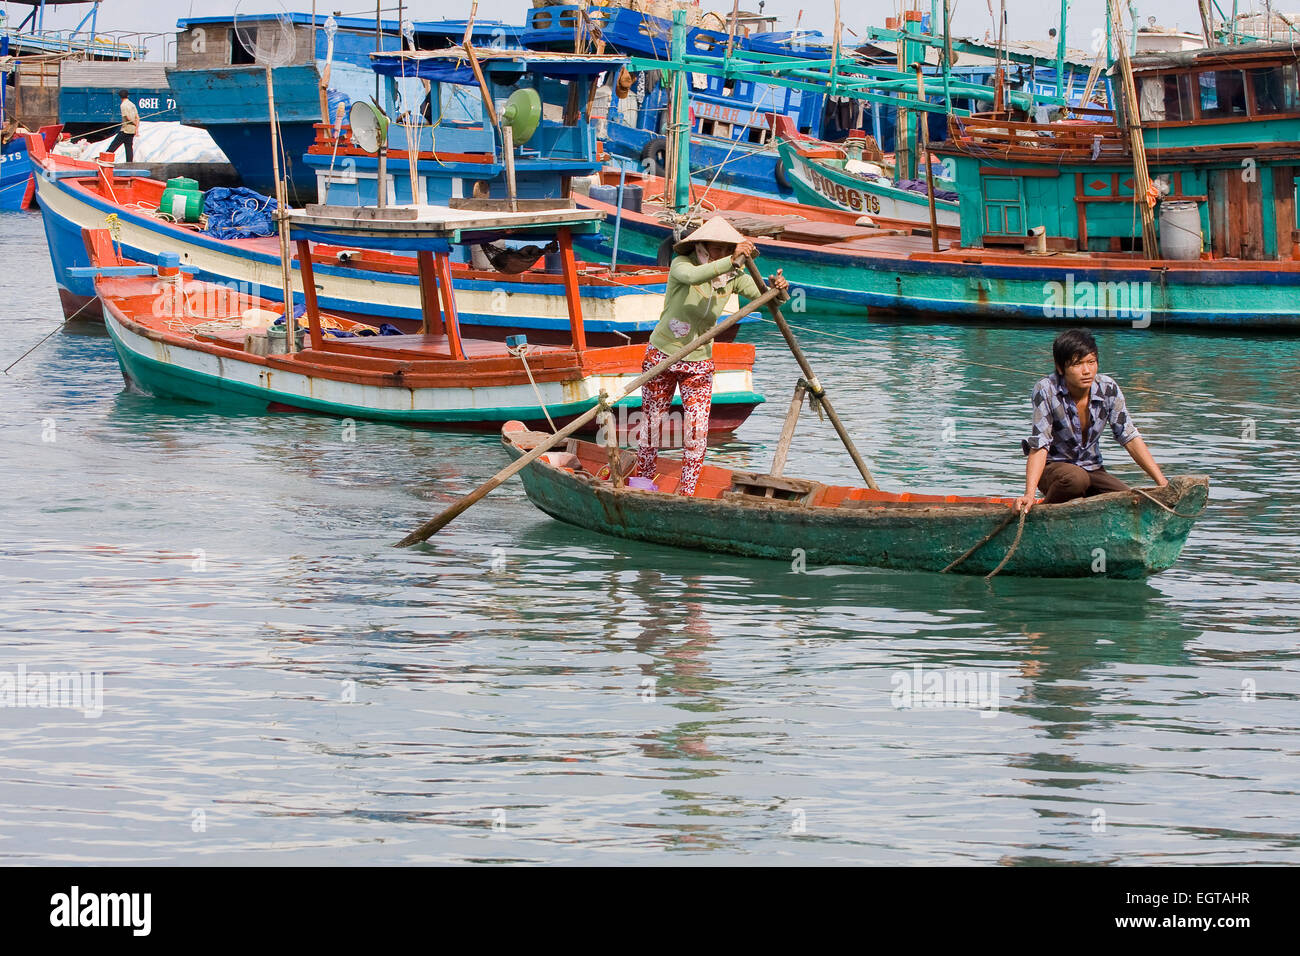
point(545, 98)
point(321, 64)
point(1221, 129)
point(430, 232)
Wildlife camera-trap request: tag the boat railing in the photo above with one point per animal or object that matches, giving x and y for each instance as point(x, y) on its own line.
point(1065, 139)
point(92, 43)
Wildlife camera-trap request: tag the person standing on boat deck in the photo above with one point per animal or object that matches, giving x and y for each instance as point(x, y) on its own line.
point(708, 268)
point(1070, 406)
point(130, 124)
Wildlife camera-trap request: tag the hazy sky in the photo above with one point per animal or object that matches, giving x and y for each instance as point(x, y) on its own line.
point(1027, 19)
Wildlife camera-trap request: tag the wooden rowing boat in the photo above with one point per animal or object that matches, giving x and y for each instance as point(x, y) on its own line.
point(1119, 535)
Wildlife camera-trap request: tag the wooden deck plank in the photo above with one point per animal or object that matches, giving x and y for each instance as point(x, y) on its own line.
point(433, 346)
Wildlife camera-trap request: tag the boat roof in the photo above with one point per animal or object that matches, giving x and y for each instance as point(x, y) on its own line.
point(1213, 56)
point(452, 64)
point(436, 228)
point(454, 28)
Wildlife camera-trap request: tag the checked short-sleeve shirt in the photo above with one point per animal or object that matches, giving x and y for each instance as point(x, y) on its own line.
point(1056, 421)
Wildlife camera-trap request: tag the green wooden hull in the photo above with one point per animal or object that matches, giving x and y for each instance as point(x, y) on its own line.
point(1120, 535)
point(828, 185)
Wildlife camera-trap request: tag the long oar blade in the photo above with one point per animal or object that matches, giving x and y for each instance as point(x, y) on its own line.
point(436, 524)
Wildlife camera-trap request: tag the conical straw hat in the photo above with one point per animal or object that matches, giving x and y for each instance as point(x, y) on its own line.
point(716, 229)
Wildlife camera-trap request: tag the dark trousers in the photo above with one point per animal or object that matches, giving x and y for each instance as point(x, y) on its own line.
point(1062, 481)
point(124, 139)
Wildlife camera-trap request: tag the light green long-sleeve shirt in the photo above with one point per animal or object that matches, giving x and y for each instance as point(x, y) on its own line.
point(692, 305)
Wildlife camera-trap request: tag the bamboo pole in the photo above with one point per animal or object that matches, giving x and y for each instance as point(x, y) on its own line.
point(835, 48)
point(1133, 123)
point(1207, 19)
point(282, 220)
point(469, 24)
point(923, 121)
point(731, 34)
point(482, 84)
point(787, 430)
point(947, 55)
point(813, 384)
point(436, 524)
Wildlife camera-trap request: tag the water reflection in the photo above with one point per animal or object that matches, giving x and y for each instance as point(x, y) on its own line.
point(272, 661)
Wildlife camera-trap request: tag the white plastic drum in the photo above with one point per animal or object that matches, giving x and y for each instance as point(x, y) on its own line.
point(1180, 230)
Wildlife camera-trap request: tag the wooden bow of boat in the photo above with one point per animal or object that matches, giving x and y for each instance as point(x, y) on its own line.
point(1118, 535)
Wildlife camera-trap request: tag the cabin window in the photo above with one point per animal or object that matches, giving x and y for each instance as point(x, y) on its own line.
point(1223, 94)
point(1167, 99)
point(1275, 90)
point(240, 54)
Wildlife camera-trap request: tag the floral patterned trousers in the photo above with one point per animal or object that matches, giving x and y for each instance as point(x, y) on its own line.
point(695, 379)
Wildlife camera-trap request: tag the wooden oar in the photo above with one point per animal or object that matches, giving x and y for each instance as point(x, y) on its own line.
point(434, 525)
point(814, 385)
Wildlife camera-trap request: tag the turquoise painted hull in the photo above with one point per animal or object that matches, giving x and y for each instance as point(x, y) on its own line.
point(832, 188)
point(851, 283)
point(167, 380)
point(1120, 535)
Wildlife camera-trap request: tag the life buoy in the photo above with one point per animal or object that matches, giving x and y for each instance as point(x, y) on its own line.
point(654, 156)
point(782, 179)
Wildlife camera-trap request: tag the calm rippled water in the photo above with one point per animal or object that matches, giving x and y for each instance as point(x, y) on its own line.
point(605, 701)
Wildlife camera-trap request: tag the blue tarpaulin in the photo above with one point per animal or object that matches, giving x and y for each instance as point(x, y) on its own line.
point(238, 213)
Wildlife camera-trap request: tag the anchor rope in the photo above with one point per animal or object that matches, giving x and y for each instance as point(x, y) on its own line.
point(980, 543)
point(1020, 530)
point(521, 352)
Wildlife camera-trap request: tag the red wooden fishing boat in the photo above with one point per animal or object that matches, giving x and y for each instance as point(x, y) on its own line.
point(182, 337)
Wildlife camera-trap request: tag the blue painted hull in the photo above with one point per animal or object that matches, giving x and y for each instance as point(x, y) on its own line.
point(67, 250)
point(231, 104)
point(248, 147)
point(867, 286)
point(15, 175)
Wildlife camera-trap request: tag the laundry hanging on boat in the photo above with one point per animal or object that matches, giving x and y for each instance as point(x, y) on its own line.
point(238, 213)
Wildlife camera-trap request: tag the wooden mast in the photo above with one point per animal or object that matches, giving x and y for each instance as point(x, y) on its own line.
point(1133, 124)
point(282, 220)
point(924, 127)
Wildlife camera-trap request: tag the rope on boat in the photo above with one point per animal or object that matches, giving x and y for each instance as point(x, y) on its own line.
point(1161, 504)
point(982, 541)
point(1020, 530)
point(522, 353)
point(61, 325)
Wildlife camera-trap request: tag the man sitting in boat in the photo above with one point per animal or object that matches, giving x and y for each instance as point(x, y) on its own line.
point(1070, 407)
point(708, 268)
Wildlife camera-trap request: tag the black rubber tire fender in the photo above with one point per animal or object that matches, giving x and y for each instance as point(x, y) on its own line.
point(782, 179)
point(656, 151)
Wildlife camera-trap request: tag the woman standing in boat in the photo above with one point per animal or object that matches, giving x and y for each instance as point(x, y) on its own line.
point(708, 268)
